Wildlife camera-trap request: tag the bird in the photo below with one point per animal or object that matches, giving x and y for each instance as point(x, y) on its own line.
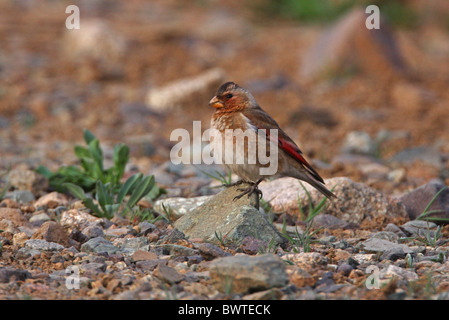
point(236, 108)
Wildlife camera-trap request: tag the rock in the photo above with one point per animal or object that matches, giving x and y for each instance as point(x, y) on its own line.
point(93, 231)
point(345, 269)
point(10, 274)
point(43, 245)
point(76, 219)
point(178, 206)
point(209, 251)
point(246, 274)
point(130, 245)
point(252, 245)
point(359, 142)
point(355, 202)
point(167, 274)
point(92, 269)
point(99, 245)
point(272, 294)
point(426, 154)
point(393, 254)
point(175, 250)
point(308, 261)
point(53, 232)
point(141, 255)
point(185, 91)
point(417, 200)
point(391, 227)
point(21, 196)
point(231, 220)
point(13, 215)
point(419, 228)
point(389, 236)
point(348, 44)
point(30, 180)
point(19, 239)
point(375, 245)
point(329, 221)
point(116, 232)
point(39, 218)
point(52, 200)
point(362, 258)
point(395, 271)
point(145, 227)
point(302, 278)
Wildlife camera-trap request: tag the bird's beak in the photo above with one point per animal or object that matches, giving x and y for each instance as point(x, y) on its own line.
point(216, 103)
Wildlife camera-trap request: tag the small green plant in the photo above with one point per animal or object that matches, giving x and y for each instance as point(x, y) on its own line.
point(427, 212)
point(92, 167)
point(3, 191)
point(431, 239)
point(220, 237)
point(110, 200)
point(304, 239)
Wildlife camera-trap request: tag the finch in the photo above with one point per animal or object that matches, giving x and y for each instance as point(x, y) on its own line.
point(236, 109)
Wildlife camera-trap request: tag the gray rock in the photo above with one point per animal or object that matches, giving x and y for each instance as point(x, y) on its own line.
point(93, 231)
point(175, 250)
point(42, 245)
point(146, 227)
point(39, 218)
point(231, 220)
point(398, 272)
point(8, 274)
point(21, 196)
point(425, 154)
point(417, 200)
point(386, 235)
point(391, 227)
point(92, 269)
point(209, 251)
point(246, 274)
point(130, 245)
point(420, 228)
point(329, 221)
point(178, 207)
point(359, 142)
point(393, 254)
point(99, 245)
point(380, 245)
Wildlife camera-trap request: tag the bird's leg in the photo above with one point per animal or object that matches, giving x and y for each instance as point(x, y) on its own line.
point(254, 188)
point(237, 183)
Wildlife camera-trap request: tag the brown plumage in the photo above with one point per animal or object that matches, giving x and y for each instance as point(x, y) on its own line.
point(236, 108)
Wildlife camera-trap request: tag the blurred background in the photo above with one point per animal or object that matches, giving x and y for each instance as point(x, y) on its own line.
point(367, 104)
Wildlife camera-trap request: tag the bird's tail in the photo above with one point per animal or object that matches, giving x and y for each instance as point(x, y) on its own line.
point(320, 187)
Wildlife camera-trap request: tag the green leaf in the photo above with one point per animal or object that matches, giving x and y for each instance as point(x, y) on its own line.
point(82, 152)
point(88, 136)
point(75, 190)
point(102, 195)
point(141, 190)
point(121, 157)
point(89, 203)
point(44, 171)
point(128, 185)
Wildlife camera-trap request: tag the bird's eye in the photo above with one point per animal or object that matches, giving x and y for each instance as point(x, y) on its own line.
point(229, 96)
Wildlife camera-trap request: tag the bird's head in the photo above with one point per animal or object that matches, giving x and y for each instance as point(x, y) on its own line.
point(231, 97)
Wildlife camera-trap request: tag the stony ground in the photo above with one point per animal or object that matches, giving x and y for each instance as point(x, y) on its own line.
point(383, 144)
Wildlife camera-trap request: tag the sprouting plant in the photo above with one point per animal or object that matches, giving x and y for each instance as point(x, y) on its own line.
point(313, 210)
point(220, 237)
point(430, 238)
point(425, 214)
point(110, 200)
point(3, 191)
point(91, 167)
point(168, 212)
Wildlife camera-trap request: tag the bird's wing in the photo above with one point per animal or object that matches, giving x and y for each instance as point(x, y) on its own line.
point(261, 120)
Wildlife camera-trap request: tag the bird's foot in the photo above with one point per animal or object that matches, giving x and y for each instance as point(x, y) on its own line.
point(254, 188)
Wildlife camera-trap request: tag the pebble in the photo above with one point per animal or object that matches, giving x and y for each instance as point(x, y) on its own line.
point(99, 245)
point(380, 245)
point(244, 274)
point(43, 245)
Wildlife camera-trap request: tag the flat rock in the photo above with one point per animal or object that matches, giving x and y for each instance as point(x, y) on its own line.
point(375, 245)
point(167, 274)
point(43, 245)
point(52, 200)
point(98, 245)
point(13, 215)
point(25, 179)
point(231, 220)
point(247, 274)
point(355, 202)
point(8, 274)
point(76, 219)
